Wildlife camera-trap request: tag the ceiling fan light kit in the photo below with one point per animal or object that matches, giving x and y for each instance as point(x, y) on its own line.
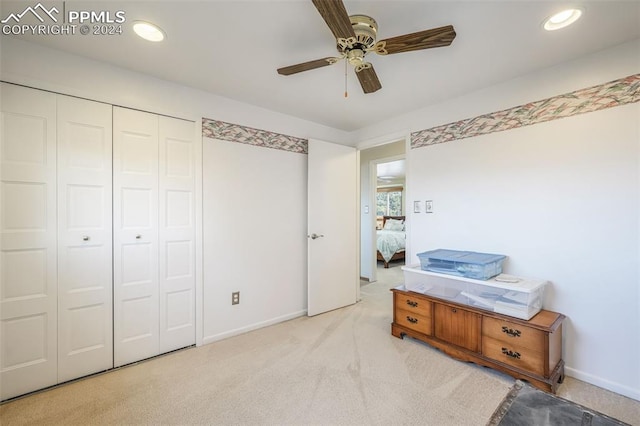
point(356, 36)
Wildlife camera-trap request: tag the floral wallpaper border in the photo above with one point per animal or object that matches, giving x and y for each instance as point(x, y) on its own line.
point(236, 133)
point(614, 93)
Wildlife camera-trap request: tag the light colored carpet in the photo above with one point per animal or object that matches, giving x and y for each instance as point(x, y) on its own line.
point(341, 368)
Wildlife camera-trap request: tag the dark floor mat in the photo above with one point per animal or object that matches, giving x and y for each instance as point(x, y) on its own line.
point(525, 405)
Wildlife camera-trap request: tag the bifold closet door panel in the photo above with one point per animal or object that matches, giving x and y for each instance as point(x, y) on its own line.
point(177, 234)
point(85, 286)
point(135, 224)
point(28, 289)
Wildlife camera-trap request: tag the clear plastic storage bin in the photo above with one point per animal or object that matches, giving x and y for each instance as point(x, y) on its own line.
point(504, 294)
point(481, 266)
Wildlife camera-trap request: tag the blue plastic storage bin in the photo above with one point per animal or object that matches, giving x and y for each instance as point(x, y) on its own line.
point(469, 264)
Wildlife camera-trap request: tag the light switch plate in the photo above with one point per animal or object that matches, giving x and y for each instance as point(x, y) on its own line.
point(428, 206)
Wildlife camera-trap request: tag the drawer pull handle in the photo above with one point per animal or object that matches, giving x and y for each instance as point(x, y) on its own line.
point(412, 320)
point(412, 303)
point(511, 332)
point(512, 354)
point(85, 238)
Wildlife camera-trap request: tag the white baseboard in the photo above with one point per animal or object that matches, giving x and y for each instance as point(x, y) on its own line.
point(251, 327)
point(603, 383)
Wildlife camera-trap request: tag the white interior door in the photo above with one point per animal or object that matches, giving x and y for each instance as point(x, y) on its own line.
point(332, 227)
point(135, 222)
point(85, 286)
point(177, 234)
point(28, 289)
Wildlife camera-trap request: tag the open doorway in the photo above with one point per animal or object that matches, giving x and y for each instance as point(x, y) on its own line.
point(383, 193)
point(390, 212)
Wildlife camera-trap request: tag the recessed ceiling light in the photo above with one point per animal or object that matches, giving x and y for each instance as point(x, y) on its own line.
point(148, 31)
point(562, 19)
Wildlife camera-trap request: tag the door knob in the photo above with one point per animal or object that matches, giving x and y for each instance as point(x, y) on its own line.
point(314, 236)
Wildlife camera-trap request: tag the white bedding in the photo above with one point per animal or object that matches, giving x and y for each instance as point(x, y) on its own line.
point(390, 242)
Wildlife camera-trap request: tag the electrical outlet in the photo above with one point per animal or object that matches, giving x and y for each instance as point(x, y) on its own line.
point(235, 298)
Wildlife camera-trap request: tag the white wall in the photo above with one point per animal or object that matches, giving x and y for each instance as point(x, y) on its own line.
point(255, 228)
point(560, 198)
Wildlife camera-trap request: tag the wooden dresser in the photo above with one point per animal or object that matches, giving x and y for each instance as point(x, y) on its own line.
point(528, 350)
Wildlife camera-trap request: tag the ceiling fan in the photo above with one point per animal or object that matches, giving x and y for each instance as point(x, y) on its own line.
point(356, 36)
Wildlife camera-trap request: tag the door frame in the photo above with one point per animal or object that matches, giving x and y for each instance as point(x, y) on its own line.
point(373, 143)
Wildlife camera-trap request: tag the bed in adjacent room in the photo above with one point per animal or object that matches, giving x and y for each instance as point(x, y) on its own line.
point(391, 239)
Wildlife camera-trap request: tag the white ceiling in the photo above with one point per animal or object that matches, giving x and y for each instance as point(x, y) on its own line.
point(391, 172)
point(233, 48)
point(392, 169)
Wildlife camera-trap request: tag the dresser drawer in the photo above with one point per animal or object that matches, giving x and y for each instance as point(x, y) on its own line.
point(514, 335)
point(410, 303)
point(524, 358)
point(413, 320)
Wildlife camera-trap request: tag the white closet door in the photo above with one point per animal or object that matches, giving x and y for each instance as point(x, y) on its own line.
point(28, 289)
point(135, 222)
point(85, 322)
point(177, 233)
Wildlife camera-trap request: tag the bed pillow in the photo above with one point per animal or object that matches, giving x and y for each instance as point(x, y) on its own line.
point(394, 225)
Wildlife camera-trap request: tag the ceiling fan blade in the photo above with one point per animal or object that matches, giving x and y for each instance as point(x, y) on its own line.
point(435, 37)
point(368, 80)
point(306, 66)
point(335, 15)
